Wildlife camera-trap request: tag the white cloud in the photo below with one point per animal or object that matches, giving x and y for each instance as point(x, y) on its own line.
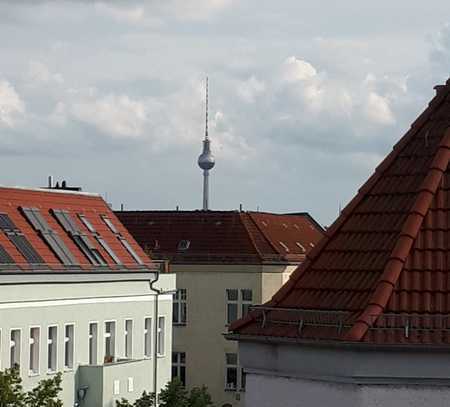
point(378, 109)
point(117, 116)
point(251, 89)
point(39, 73)
point(11, 105)
point(297, 70)
point(134, 14)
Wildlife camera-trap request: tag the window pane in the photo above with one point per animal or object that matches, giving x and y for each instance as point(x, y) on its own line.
point(148, 337)
point(15, 348)
point(245, 309)
point(52, 341)
point(247, 295)
point(175, 313)
point(93, 340)
point(128, 338)
point(161, 336)
point(110, 339)
point(231, 377)
point(231, 312)
point(232, 295)
point(34, 350)
point(231, 358)
point(68, 346)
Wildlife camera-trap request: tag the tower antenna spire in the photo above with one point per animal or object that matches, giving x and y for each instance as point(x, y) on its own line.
point(206, 160)
point(206, 126)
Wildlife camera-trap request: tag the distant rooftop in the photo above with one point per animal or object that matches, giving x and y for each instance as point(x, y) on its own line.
point(222, 237)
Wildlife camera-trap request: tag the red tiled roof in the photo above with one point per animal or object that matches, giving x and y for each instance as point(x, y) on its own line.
point(74, 203)
point(223, 236)
point(382, 273)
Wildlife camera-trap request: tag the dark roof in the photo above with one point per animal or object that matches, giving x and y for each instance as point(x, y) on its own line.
point(382, 273)
point(222, 236)
point(35, 235)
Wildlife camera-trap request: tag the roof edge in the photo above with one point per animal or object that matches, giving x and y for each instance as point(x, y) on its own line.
point(402, 249)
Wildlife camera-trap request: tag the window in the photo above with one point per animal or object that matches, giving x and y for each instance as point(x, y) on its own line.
point(52, 348)
point(93, 341)
point(246, 301)
point(80, 238)
point(19, 240)
point(284, 246)
point(179, 366)
point(183, 245)
point(34, 217)
point(301, 247)
point(238, 303)
point(161, 336)
point(147, 337)
point(232, 305)
point(15, 344)
point(110, 341)
point(231, 373)
point(122, 240)
point(87, 223)
point(179, 307)
point(35, 334)
point(68, 346)
point(129, 338)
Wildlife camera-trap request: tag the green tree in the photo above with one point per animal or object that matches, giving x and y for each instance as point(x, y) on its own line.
point(45, 394)
point(123, 403)
point(146, 400)
point(199, 397)
point(173, 395)
point(11, 391)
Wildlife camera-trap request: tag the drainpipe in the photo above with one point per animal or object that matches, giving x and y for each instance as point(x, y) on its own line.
point(155, 336)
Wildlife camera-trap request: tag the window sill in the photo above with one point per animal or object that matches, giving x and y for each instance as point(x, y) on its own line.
point(231, 390)
point(32, 374)
point(179, 323)
point(161, 356)
point(51, 372)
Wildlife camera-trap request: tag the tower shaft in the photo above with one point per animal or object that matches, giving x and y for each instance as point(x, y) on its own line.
point(205, 190)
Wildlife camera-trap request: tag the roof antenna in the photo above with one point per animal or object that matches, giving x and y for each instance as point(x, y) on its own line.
point(340, 208)
point(426, 138)
point(206, 160)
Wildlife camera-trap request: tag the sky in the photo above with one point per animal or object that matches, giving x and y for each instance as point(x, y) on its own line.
point(306, 98)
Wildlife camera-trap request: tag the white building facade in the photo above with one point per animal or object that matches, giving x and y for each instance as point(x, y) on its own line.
point(97, 324)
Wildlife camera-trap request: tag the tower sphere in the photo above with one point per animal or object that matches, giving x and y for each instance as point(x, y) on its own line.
point(206, 160)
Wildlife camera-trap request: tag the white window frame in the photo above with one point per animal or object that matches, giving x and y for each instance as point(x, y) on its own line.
point(30, 362)
point(147, 335)
point(128, 339)
point(161, 337)
point(231, 302)
point(66, 340)
point(1, 347)
point(178, 302)
point(178, 365)
point(247, 303)
point(94, 357)
point(15, 345)
point(49, 370)
point(231, 366)
point(114, 343)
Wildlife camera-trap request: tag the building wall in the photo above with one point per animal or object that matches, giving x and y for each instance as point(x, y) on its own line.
point(270, 391)
point(43, 304)
point(202, 338)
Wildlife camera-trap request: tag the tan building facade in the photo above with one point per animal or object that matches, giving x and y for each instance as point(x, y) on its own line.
point(224, 262)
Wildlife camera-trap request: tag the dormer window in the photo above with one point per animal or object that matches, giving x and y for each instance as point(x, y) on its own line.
point(183, 245)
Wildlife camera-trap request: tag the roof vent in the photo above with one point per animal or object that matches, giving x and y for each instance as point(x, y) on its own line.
point(284, 246)
point(183, 244)
point(302, 248)
point(311, 244)
point(264, 223)
point(296, 226)
point(285, 226)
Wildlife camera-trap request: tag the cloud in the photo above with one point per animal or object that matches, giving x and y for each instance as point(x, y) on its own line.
point(378, 110)
point(297, 70)
point(11, 105)
point(133, 14)
point(39, 73)
point(251, 89)
point(118, 116)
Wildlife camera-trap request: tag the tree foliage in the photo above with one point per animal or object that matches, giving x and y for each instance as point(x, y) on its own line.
point(173, 395)
point(45, 394)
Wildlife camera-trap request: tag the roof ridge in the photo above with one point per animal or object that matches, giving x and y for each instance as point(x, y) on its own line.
point(408, 235)
point(252, 240)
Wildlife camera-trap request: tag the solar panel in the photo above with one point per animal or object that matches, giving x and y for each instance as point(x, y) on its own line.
point(6, 223)
point(34, 216)
point(5, 258)
point(80, 238)
point(25, 248)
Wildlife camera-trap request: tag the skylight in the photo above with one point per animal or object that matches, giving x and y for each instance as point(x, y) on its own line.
point(183, 244)
point(302, 248)
point(284, 246)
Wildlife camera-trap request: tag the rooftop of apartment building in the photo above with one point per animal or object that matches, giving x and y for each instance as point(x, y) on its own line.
point(224, 237)
point(63, 229)
point(381, 275)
